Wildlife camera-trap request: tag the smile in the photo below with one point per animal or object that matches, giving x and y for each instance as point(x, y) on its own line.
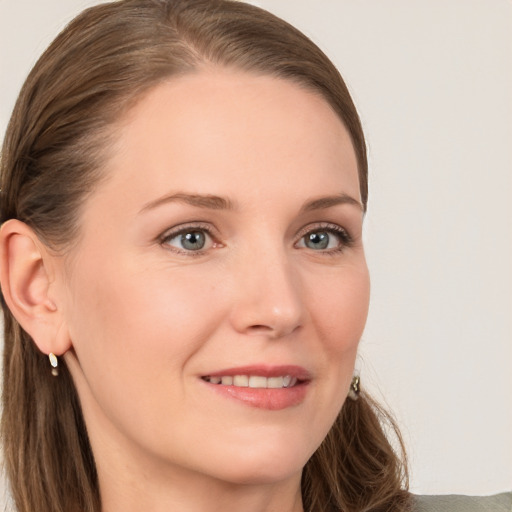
point(264, 387)
point(253, 381)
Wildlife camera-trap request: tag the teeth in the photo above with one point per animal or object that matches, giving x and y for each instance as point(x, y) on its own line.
point(254, 381)
point(257, 382)
point(275, 382)
point(242, 381)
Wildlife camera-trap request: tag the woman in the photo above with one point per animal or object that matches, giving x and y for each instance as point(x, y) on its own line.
point(181, 324)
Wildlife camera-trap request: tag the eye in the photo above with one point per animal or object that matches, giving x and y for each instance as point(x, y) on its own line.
point(327, 238)
point(191, 239)
point(320, 240)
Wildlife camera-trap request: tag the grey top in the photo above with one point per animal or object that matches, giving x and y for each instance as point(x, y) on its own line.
point(456, 503)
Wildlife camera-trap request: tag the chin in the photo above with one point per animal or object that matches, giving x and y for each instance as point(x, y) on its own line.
point(262, 465)
point(269, 473)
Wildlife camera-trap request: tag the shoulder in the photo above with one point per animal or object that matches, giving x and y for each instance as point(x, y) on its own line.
point(457, 503)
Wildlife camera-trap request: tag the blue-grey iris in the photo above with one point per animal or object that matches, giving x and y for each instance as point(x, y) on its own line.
point(193, 241)
point(318, 240)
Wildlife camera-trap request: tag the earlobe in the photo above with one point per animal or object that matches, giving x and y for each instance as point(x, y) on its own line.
point(25, 277)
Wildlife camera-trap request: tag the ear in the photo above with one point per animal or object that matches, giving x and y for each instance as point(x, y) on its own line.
point(27, 277)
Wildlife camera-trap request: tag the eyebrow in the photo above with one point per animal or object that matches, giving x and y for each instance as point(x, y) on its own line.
point(209, 201)
point(322, 203)
point(213, 202)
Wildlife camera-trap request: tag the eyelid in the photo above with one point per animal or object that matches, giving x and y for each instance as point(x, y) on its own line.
point(346, 239)
point(175, 231)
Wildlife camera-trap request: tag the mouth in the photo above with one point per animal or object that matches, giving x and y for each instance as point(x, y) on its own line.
point(253, 381)
point(263, 387)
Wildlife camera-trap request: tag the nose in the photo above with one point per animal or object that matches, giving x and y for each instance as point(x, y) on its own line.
point(268, 300)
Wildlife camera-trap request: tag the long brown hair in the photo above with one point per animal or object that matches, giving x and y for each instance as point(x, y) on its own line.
point(98, 67)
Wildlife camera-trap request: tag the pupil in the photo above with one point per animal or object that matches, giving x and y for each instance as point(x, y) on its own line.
point(318, 240)
point(194, 240)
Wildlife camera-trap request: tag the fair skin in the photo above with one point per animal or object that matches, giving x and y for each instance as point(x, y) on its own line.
point(269, 278)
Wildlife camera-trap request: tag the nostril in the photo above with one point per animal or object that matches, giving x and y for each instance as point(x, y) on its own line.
point(269, 330)
point(260, 328)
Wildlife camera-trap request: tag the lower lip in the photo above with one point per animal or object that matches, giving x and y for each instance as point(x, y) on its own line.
point(264, 398)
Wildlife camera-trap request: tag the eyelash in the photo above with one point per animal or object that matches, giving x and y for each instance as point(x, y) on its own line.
point(345, 239)
point(196, 227)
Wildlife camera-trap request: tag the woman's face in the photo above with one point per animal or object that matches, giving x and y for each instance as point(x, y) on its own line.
point(222, 252)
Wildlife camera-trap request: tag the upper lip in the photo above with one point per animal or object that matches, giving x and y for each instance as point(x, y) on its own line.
point(298, 372)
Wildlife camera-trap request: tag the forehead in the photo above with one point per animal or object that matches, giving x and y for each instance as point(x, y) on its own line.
point(232, 131)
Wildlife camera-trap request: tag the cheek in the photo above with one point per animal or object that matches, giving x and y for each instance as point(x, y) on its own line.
point(340, 308)
point(338, 311)
point(136, 317)
point(135, 333)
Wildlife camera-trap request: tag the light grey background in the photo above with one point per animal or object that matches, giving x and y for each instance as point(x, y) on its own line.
point(433, 81)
